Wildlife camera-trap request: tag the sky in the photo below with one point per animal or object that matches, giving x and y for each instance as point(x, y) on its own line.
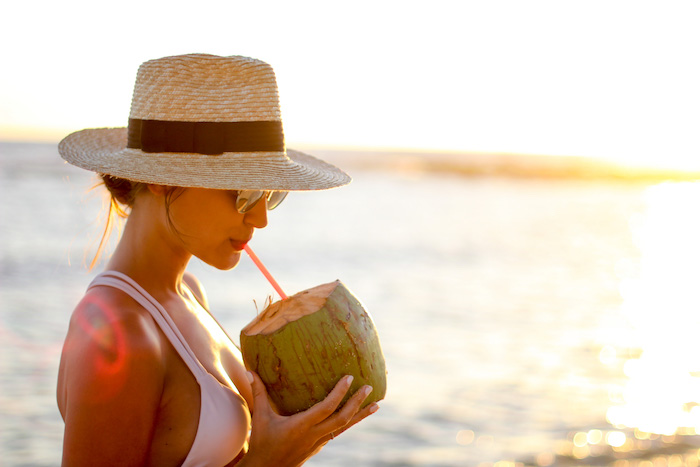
point(612, 79)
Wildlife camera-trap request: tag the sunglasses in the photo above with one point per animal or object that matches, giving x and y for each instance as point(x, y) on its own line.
point(247, 199)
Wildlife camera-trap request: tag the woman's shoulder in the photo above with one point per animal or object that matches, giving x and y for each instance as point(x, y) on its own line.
point(115, 307)
point(108, 321)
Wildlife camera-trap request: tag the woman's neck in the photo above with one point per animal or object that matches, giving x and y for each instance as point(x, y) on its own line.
point(149, 251)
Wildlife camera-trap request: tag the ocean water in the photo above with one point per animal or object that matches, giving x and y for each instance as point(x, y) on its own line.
point(524, 322)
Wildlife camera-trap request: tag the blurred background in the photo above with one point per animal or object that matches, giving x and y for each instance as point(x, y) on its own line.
point(521, 225)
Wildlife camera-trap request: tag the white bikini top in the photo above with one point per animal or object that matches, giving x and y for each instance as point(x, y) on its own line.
point(223, 418)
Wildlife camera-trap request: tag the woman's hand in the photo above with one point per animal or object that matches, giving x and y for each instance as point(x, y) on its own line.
point(290, 440)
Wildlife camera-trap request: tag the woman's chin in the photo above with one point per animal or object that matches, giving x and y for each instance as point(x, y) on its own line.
point(225, 264)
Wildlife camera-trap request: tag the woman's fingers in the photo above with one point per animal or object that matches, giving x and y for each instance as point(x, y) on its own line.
point(260, 398)
point(362, 414)
point(324, 409)
point(348, 412)
point(324, 416)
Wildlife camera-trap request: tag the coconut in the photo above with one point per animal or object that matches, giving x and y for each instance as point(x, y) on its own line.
point(303, 345)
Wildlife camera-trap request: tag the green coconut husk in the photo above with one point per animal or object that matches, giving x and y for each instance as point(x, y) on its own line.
point(303, 345)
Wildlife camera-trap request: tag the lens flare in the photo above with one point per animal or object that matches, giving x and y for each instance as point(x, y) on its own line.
point(107, 341)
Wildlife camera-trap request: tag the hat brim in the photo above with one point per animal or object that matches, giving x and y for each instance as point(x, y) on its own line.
point(103, 150)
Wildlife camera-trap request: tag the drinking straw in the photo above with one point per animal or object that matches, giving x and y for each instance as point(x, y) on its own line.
point(265, 272)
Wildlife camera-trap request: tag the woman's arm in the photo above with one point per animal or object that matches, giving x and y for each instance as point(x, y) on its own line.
point(109, 387)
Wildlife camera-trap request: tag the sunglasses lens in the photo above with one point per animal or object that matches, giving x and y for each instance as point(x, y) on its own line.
point(276, 197)
point(246, 199)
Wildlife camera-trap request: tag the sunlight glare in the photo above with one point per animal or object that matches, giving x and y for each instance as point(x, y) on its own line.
point(663, 305)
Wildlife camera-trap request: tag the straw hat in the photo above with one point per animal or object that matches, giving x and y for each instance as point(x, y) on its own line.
point(202, 121)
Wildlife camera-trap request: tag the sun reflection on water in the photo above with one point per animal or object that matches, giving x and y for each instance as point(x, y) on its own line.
point(654, 413)
point(662, 303)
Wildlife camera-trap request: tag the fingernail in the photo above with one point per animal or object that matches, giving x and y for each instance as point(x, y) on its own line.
point(249, 375)
point(348, 380)
point(373, 408)
point(366, 390)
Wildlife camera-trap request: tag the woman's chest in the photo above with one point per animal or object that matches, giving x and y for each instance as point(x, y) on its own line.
point(205, 367)
point(204, 342)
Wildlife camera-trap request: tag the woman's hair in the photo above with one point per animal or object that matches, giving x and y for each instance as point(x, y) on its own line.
point(122, 193)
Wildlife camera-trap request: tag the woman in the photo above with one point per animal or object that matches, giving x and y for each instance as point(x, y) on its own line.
point(147, 375)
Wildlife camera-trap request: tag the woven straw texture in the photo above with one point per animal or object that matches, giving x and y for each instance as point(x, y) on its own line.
point(206, 88)
point(202, 88)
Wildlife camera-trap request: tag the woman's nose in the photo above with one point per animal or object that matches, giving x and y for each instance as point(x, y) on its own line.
point(257, 215)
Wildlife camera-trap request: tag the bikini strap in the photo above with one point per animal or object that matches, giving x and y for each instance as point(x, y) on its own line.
point(127, 285)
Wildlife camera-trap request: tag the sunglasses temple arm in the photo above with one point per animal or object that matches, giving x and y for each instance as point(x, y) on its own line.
point(265, 272)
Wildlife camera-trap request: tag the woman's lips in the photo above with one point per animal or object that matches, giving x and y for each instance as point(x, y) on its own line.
point(238, 245)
